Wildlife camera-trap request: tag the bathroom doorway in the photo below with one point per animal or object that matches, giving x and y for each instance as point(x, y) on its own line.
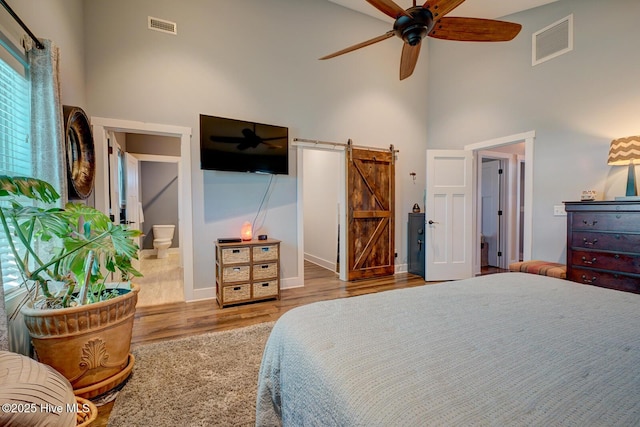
point(163, 157)
point(150, 204)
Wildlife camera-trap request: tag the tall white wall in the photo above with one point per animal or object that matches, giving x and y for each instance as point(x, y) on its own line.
point(257, 60)
point(576, 103)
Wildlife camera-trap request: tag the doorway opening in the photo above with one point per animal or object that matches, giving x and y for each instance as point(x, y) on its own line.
point(166, 147)
point(321, 208)
point(503, 196)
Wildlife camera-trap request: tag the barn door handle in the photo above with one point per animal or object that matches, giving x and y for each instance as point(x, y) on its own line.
point(431, 222)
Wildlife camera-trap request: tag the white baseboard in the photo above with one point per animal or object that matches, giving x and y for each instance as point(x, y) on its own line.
point(202, 294)
point(292, 282)
point(401, 268)
point(329, 265)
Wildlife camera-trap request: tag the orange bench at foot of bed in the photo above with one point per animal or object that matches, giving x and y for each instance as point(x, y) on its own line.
point(544, 268)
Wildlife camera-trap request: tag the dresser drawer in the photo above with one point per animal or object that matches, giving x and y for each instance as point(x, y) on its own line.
point(604, 221)
point(235, 255)
point(604, 279)
point(617, 241)
point(626, 263)
point(264, 289)
point(265, 253)
point(236, 293)
point(265, 271)
point(238, 273)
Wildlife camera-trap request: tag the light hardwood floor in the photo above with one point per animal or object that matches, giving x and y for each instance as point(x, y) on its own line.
point(165, 322)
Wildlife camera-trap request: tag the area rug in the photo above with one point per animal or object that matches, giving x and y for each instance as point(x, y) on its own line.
point(204, 380)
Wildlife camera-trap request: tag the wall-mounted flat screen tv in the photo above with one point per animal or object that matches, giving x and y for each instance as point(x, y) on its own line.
point(242, 146)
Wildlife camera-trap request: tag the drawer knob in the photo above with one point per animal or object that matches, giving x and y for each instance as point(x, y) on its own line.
point(587, 280)
point(589, 243)
point(617, 256)
point(237, 288)
point(264, 285)
point(592, 223)
point(586, 261)
point(235, 251)
point(264, 266)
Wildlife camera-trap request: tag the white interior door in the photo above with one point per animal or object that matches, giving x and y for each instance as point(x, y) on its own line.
point(449, 215)
point(490, 206)
point(132, 170)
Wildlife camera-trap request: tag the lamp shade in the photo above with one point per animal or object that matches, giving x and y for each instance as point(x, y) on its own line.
point(624, 151)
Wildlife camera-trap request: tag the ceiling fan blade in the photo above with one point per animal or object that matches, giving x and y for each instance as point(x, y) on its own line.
point(474, 30)
point(389, 8)
point(385, 36)
point(409, 59)
point(439, 8)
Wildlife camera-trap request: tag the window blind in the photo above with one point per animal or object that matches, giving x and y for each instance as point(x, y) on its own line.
point(15, 148)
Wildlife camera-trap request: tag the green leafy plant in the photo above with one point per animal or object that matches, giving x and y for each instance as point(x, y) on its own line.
point(74, 245)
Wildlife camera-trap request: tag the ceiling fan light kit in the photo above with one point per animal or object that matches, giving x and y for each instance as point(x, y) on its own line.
point(415, 23)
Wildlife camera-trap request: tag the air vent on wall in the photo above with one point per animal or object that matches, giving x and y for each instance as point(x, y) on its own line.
point(553, 41)
point(162, 25)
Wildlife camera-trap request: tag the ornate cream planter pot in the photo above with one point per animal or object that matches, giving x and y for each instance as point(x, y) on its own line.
point(88, 344)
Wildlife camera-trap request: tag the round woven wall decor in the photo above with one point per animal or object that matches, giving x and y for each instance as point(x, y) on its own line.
point(81, 162)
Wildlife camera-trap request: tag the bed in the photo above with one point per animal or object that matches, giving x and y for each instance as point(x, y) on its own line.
point(504, 349)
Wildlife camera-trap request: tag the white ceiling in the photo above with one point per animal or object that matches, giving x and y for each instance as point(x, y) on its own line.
point(490, 9)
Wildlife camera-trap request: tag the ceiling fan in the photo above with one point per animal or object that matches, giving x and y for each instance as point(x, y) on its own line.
point(417, 22)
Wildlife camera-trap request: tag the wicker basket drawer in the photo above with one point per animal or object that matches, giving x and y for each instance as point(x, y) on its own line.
point(238, 273)
point(265, 271)
point(236, 293)
point(235, 255)
point(265, 253)
point(264, 289)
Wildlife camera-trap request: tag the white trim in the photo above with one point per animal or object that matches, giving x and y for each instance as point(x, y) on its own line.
point(156, 158)
point(520, 163)
point(204, 294)
point(327, 265)
point(185, 210)
point(528, 138)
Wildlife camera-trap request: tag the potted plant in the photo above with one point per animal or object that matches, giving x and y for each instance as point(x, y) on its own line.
point(78, 324)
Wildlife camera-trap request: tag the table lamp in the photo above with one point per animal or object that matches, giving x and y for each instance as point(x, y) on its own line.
point(626, 151)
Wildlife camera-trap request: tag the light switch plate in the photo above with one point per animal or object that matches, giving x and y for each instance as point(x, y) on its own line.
point(558, 210)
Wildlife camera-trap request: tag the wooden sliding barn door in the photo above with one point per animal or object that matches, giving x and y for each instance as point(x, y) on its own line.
point(370, 210)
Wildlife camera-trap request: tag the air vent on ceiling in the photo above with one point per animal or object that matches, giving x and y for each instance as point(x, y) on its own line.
point(162, 25)
point(553, 41)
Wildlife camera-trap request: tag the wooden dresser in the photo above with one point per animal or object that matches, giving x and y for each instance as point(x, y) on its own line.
point(247, 271)
point(603, 244)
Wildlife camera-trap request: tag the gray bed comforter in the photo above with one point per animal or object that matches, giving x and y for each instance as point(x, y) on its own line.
point(499, 350)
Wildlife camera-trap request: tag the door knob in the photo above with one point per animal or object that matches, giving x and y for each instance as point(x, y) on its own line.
point(431, 222)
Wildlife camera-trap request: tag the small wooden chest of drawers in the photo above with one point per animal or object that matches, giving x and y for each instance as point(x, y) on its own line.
point(603, 244)
point(247, 271)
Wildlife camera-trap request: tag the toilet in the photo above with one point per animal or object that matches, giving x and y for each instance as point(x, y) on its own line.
point(162, 236)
